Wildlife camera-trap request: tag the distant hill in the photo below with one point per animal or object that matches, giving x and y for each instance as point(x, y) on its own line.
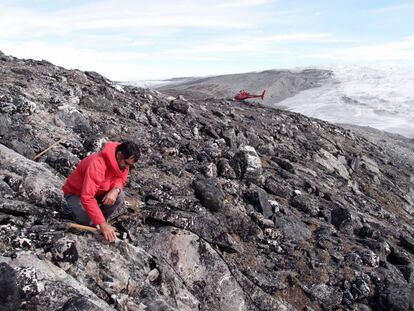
point(279, 84)
point(377, 96)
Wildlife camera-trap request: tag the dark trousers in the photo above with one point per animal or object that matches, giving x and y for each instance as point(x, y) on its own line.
point(79, 214)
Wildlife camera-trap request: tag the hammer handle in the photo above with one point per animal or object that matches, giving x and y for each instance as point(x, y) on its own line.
point(86, 228)
point(82, 227)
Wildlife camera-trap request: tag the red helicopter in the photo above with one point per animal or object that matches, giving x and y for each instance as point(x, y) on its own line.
point(242, 95)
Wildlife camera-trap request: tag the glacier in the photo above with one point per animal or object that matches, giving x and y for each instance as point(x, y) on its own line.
point(381, 97)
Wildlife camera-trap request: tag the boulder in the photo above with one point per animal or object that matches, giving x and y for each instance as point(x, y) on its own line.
point(209, 194)
point(260, 200)
point(369, 257)
point(4, 124)
point(205, 225)
point(79, 303)
point(210, 170)
point(9, 293)
point(179, 105)
point(275, 187)
point(225, 170)
point(27, 282)
point(396, 297)
point(54, 284)
point(331, 163)
point(65, 253)
point(370, 165)
point(407, 242)
point(37, 182)
point(328, 296)
point(360, 288)
point(305, 204)
point(201, 268)
point(248, 164)
point(341, 218)
point(293, 228)
point(285, 164)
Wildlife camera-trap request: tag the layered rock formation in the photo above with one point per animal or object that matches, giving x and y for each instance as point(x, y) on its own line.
point(232, 207)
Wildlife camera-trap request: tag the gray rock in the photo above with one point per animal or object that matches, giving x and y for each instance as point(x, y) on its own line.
point(270, 283)
point(369, 257)
point(4, 124)
point(365, 232)
point(200, 267)
point(363, 307)
point(97, 77)
point(179, 105)
point(399, 257)
point(285, 164)
point(21, 147)
point(328, 296)
point(292, 228)
point(9, 293)
point(251, 165)
point(210, 131)
point(79, 303)
point(53, 283)
point(407, 242)
point(331, 163)
point(24, 105)
point(260, 200)
point(276, 188)
point(370, 165)
point(355, 163)
point(360, 289)
point(267, 149)
point(260, 299)
point(210, 195)
point(27, 282)
point(305, 204)
point(408, 272)
point(396, 297)
point(210, 171)
point(73, 118)
point(213, 150)
point(154, 275)
point(354, 259)
point(39, 184)
point(65, 253)
point(204, 226)
point(341, 218)
point(225, 170)
point(16, 207)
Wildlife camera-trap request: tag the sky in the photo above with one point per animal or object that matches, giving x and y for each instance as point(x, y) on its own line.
point(136, 40)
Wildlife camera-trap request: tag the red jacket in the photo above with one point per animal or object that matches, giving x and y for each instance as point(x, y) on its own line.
point(94, 176)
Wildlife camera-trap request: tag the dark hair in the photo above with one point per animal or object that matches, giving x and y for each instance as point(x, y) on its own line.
point(129, 149)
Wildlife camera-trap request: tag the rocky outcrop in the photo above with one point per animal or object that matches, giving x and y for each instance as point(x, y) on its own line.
point(231, 207)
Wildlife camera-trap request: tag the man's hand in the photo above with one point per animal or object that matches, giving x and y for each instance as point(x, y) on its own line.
point(110, 197)
point(107, 231)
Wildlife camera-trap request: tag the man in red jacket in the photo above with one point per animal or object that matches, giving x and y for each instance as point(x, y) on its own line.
point(94, 189)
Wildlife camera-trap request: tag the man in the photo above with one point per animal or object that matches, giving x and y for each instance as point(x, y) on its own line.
point(94, 189)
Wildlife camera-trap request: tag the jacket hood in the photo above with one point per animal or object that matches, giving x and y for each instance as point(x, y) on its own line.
point(108, 153)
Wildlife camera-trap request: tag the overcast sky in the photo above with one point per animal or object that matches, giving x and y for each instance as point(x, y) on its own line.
point(132, 40)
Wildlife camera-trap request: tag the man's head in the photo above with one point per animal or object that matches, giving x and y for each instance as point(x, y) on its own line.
point(127, 153)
